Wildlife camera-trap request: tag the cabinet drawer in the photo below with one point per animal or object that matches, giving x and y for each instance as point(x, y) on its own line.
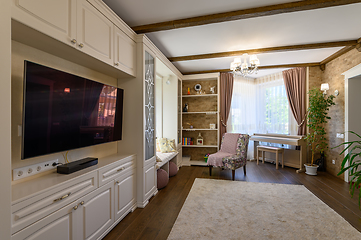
point(32, 209)
point(115, 170)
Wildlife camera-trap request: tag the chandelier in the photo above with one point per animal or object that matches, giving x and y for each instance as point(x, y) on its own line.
point(247, 67)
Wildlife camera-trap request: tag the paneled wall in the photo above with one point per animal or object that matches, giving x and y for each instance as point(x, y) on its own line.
point(332, 76)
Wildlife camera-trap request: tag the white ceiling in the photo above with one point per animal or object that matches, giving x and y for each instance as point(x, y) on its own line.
point(313, 26)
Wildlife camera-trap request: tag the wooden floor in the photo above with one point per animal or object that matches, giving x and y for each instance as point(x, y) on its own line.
point(155, 221)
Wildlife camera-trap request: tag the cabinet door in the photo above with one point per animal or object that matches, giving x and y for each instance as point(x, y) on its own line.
point(124, 194)
point(54, 18)
point(94, 32)
point(95, 212)
point(58, 226)
point(150, 181)
point(124, 52)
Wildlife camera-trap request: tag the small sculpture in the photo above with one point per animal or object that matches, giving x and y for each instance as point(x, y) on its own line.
point(212, 89)
point(185, 109)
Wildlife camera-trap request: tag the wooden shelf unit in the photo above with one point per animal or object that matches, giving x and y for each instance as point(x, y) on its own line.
point(203, 110)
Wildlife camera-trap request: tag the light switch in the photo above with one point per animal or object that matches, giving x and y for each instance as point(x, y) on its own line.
point(340, 135)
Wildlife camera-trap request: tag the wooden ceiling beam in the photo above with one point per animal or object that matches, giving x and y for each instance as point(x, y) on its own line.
point(358, 46)
point(265, 50)
point(336, 55)
point(260, 67)
point(242, 14)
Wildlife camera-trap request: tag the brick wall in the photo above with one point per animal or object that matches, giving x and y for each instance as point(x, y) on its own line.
point(332, 76)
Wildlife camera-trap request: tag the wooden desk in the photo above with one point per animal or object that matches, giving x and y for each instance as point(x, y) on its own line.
point(285, 139)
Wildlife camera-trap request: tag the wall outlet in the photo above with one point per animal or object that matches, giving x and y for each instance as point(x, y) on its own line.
point(27, 171)
point(333, 161)
point(340, 135)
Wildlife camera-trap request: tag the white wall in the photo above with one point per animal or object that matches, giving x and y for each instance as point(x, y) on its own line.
point(5, 120)
point(170, 107)
point(159, 106)
point(21, 52)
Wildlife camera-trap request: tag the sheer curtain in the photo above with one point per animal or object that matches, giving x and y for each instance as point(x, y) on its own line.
point(260, 106)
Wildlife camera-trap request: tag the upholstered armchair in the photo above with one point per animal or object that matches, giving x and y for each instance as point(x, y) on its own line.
point(232, 155)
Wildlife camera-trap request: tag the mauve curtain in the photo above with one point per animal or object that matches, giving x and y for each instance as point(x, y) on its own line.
point(295, 84)
point(226, 90)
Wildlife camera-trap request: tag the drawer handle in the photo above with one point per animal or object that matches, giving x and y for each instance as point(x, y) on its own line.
point(120, 169)
point(117, 182)
point(63, 197)
point(73, 41)
point(116, 64)
point(75, 207)
point(81, 45)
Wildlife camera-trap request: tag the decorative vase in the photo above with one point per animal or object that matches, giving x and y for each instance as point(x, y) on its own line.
point(321, 162)
point(311, 170)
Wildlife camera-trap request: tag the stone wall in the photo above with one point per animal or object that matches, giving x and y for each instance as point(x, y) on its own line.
point(332, 76)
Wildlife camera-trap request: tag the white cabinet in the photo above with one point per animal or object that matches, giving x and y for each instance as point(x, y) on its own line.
point(125, 194)
point(60, 225)
point(86, 218)
point(54, 18)
point(26, 212)
point(94, 32)
point(95, 212)
point(72, 206)
point(79, 24)
point(124, 52)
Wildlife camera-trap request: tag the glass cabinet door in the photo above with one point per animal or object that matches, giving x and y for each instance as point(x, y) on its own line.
point(149, 106)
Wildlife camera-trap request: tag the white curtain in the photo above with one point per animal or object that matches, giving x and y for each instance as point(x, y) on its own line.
point(260, 106)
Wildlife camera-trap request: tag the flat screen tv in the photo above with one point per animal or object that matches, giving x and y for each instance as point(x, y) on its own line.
point(62, 111)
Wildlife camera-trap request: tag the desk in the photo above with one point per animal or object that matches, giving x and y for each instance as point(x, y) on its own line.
point(285, 139)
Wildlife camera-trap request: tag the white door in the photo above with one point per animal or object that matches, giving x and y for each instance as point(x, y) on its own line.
point(95, 212)
point(53, 18)
point(124, 52)
point(94, 32)
point(57, 226)
point(124, 194)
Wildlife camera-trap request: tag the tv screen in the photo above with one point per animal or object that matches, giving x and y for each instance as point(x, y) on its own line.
point(63, 111)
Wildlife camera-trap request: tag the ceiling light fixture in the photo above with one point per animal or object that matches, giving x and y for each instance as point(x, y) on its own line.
point(247, 67)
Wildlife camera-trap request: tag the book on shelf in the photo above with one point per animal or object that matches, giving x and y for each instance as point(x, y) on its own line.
point(187, 141)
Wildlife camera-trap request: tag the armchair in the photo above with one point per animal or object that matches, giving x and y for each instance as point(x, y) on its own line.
point(232, 155)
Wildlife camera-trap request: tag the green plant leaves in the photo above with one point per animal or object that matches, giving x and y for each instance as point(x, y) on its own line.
point(354, 164)
point(317, 115)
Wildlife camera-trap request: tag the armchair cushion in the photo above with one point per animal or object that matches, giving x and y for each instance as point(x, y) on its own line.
point(215, 159)
point(233, 162)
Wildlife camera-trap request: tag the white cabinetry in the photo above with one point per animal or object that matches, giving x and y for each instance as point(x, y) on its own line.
point(125, 193)
point(124, 52)
point(94, 32)
point(95, 212)
point(60, 225)
point(79, 24)
point(85, 218)
point(75, 207)
point(56, 19)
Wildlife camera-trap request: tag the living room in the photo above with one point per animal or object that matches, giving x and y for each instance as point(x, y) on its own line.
point(328, 53)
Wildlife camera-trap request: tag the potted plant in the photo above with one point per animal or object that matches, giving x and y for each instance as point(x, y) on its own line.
point(354, 163)
point(317, 115)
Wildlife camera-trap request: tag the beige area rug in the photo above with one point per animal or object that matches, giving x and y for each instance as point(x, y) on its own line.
point(221, 209)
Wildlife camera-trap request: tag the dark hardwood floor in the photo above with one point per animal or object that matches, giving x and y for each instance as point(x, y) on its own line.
point(155, 221)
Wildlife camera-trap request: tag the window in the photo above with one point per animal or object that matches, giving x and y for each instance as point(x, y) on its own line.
point(260, 106)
